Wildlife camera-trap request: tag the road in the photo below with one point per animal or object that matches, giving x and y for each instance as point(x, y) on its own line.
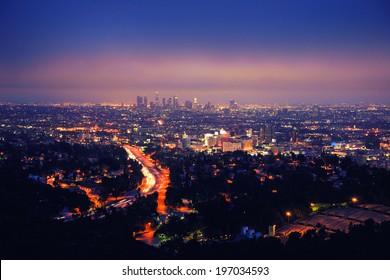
point(156, 178)
point(147, 236)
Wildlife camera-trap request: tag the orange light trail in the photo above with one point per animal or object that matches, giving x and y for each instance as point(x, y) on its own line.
point(156, 178)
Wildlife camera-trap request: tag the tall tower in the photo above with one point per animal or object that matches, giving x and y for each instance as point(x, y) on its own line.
point(233, 104)
point(175, 102)
point(188, 104)
point(139, 101)
point(266, 132)
point(157, 99)
point(145, 101)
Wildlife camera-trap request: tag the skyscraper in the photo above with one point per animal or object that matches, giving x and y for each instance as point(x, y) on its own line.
point(175, 102)
point(233, 104)
point(145, 101)
point(295, 133)
point(266, 132)
point(157, 99)
point(139, 101)
point(186, 141)
point(188, 104)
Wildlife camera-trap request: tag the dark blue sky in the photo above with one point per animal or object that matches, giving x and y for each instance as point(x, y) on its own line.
point(39, 36)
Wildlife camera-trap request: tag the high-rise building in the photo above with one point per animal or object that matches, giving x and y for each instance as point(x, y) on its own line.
point(169, 103)
point(157, 99)
point(372, 140)
point(140, 101)
point(213, 141)
point(186, 141)
point(145, 101)
point(247, 145)
point(233, 104)
point(295, 133)
point(222, 136)
point(231, 146)
point(188, 104)
point(175, 102)
point(266, 133)
point(208, 140)
point(163, 102)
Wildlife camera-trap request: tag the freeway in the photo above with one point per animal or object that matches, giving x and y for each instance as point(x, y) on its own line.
point(156, 178)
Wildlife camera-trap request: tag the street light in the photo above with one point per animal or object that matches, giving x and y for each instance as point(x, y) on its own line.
point(354, 199)
point(288, 214)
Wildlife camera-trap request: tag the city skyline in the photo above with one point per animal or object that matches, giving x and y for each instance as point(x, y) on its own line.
point(254, 52)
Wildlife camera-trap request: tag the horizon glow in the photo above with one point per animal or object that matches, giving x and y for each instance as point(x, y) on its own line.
point(331, 51)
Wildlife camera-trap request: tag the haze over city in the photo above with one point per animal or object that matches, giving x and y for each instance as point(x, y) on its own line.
point(250, 51)
point(195, 130)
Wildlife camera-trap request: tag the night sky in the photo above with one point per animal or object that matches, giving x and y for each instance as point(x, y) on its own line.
point(260, 51)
